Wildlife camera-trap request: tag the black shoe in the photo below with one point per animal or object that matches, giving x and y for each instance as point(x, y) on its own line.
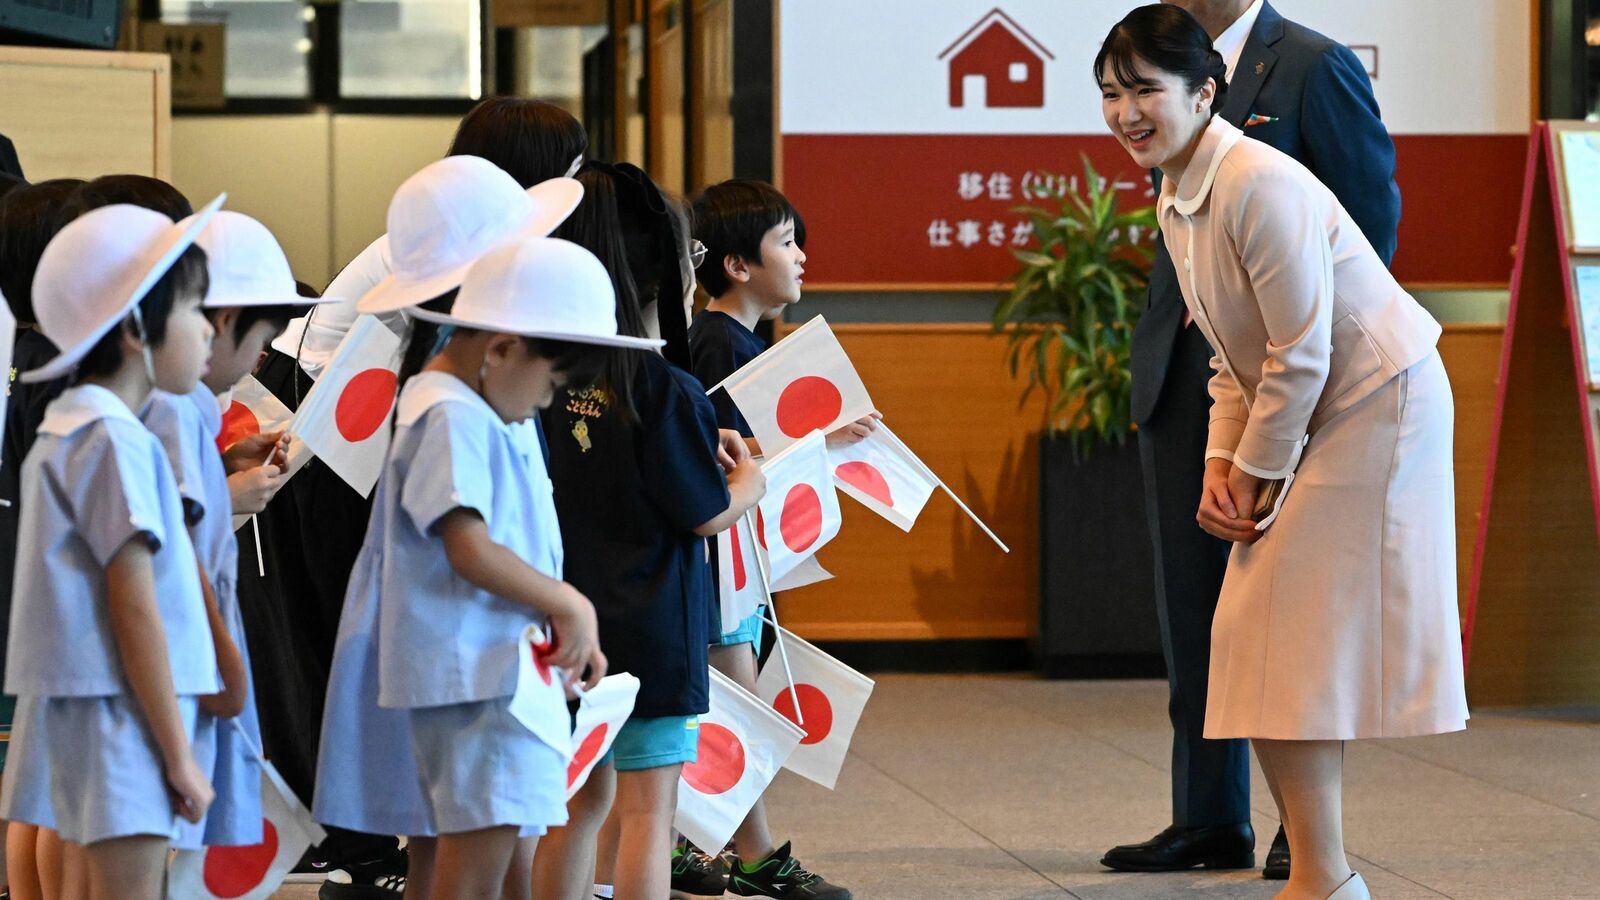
point(380, 879)
point(1277, 868)
point(313, 868)
point(1178, 848)
point(780, 875)
point(696, 873)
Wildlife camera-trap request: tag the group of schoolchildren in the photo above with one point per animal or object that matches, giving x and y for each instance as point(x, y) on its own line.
point(554, 461)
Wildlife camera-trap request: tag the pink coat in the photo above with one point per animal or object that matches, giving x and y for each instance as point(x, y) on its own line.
point(1304, 318)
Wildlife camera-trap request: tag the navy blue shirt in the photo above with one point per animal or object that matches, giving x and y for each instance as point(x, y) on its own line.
point(719, 346)
point(629, 495)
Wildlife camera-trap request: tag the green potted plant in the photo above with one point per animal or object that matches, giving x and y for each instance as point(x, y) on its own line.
point(1069, 321)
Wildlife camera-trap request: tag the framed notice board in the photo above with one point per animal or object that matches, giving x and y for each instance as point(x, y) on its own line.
point(1532, 617)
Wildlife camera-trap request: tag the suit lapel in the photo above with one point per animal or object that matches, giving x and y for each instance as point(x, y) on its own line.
point(1255, 64)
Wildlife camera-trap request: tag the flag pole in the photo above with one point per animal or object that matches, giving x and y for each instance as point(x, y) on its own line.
point(772, 613)
point(944, 487)
point(261, 562)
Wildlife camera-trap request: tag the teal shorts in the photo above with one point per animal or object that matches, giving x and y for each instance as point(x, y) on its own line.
point(747, 632)
point(8, 711)
point(652, 743)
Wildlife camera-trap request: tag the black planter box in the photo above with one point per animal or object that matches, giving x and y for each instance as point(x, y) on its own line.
point(1097, 608)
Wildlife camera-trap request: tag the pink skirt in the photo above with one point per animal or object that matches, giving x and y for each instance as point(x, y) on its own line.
point(1341, 622)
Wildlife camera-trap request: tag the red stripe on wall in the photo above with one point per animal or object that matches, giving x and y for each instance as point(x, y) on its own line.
point(940, 209)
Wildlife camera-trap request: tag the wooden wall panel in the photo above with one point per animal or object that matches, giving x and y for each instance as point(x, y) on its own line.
point(85, 113)
point(946, 392)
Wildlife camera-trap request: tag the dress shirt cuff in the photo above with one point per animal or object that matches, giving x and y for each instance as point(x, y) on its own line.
point(1274, 459)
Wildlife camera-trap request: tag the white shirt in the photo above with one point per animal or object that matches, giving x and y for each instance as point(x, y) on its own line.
point(315, 336)
point(1230, 43)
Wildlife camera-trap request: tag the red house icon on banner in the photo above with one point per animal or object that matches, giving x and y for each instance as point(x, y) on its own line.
point(1000, 62)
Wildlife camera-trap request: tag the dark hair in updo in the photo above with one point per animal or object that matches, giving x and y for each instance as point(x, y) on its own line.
point(1170, 39)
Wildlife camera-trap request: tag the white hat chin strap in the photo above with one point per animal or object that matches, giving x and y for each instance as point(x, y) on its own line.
point(144, 346)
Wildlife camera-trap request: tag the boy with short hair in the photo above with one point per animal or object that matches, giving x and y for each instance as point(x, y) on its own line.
point(753, 267)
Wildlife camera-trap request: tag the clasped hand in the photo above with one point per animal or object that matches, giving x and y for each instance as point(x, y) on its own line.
point(1227, 499)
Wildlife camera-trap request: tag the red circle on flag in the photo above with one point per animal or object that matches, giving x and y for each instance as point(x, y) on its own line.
point(865, 477)
point(538, 651)
point(364, 404)
point(587, 751)
point(814, 705)
point(761, 528)
point(807, 404)
point(720, 762)
point(801, 523)
point(236, 871)
point(740, 576)
point(237, 423)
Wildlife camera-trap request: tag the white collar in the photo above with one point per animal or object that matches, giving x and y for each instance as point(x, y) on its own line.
point(82, 405)
point(429, 389)
point(1220, 136)
point(1230, 43)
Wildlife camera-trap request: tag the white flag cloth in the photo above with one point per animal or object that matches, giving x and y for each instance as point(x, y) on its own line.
point(804, 383)
point(345, 415)
point(8, 346)
point(809, 572)
point(540, 702)
point(739, 590)
point(601, 714)
point(743, 744)
point(256, 871)
point(832, 697)
point(800, 512)
point(885, 476)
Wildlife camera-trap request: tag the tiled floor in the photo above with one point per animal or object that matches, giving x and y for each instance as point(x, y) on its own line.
point(971, 788)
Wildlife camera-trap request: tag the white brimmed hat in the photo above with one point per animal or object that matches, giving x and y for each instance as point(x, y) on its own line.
point(454, 211)
point(246, 265)
point(540, 288)
point(97, 269)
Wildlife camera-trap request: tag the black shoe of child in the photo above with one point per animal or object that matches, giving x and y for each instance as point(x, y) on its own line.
point(380, 879)
point(696, 873)
point(780, 875)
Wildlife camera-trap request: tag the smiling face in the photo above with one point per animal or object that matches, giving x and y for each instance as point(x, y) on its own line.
point(1155, 116)
point(779, 278)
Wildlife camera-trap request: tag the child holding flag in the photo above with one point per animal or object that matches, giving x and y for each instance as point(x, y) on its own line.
point(754, 259)
point(639, 487)
point(464, 551)
point(252, 297)
point(111, 647)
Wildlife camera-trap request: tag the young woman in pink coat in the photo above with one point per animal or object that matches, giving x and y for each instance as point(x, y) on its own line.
point(1329, 457)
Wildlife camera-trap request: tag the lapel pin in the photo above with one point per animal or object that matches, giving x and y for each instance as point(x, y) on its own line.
point(1261, 67)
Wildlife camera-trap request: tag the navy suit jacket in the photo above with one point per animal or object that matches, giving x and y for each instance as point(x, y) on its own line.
point(1327, 118)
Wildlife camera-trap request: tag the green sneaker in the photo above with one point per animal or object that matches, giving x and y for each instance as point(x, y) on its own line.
point(780, 875)
point(697, 874)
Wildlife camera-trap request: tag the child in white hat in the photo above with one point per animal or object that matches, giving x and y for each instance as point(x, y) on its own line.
point(441, 221)
point(252, 297)
point(111, 646)
point(464, 552)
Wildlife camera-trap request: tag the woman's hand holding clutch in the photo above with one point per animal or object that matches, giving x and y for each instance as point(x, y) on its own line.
point(1227, 493)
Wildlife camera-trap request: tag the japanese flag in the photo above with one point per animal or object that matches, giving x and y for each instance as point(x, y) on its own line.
point(743, 744)
point(343, 416)
point(832, 696)
point(739, 590)
point(885, 476)
point(800, 512)
point(805, 383)
point(601, 713)
point(8, 345)
point(251, 409)
point(256, 871)
point(540, 702)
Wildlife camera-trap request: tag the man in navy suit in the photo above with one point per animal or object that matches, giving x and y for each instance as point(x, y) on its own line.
point(1310, 97)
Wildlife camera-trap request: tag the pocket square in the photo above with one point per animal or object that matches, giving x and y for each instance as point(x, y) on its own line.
point(1258, 119)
